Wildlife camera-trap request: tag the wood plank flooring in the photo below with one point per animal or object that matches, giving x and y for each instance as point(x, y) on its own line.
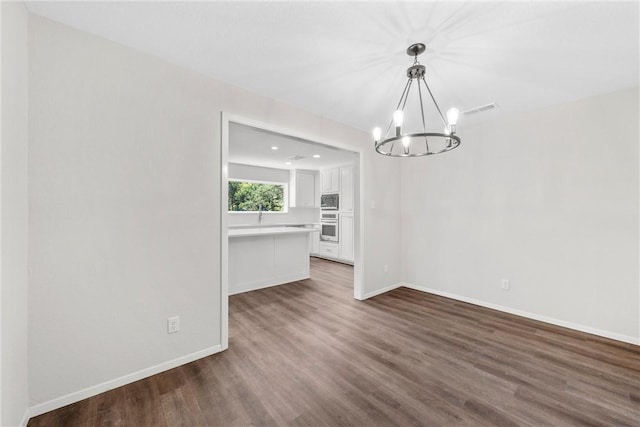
point(308, 354)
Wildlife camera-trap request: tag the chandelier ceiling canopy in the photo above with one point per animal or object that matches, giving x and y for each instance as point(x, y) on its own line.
point(397, 143)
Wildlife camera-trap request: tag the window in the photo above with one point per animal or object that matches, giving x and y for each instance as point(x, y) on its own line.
point(254, 196)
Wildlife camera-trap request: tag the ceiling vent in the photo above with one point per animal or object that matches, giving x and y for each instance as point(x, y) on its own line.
point(298, 157)
point(480, 109)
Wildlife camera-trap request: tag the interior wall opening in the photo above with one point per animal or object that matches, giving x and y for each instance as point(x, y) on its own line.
point(290, 212)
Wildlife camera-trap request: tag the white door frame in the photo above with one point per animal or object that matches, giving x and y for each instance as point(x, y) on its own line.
point(226, 118)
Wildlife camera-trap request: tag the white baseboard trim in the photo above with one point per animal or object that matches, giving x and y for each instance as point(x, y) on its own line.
point(382, 291)
point(328, 258)
point(267, 283)
point(528, 315)
point(77, 396)
point(25, 418)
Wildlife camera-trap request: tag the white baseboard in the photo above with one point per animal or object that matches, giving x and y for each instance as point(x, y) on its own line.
point(77, 396)
point(381, 291)
point(25, 418)
point(528, 315)
point(328, 258)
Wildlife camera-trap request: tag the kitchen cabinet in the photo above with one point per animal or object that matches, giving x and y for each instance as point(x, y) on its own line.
point(346, 189)
point(267, 256)
point(329, 250)
point(302, 189)
point(330, 180)
point(346, 237)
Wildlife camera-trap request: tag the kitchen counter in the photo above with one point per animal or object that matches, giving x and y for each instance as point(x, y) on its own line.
point(267, 231)
point(267, 256)
point(284, 224)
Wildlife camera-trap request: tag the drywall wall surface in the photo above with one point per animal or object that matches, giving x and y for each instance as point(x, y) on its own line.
point(548, 200)
point(257, 173)
point(122, 211)
point(13, 214)
point(124, 207)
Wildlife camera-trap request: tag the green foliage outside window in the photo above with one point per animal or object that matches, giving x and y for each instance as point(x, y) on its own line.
point(253, 196)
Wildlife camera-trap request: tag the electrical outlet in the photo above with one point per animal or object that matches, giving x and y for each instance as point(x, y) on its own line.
point(505, 284)
point(173, 324)
point(386, 268)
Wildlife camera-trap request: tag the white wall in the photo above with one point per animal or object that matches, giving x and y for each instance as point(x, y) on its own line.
point(257, 173)
point(13, 213)
point(548, 200)
point(125, 207)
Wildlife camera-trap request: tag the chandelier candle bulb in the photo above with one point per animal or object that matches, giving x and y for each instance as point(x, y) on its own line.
point(398, 118)
point(377, 134)
point(452, 115)
point(405, 144)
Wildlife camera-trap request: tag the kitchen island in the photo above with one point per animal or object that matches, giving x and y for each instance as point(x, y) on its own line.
point(267, 256)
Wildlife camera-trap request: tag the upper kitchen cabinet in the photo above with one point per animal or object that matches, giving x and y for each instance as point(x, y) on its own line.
point(346, 189)
point(303, 189)
point(330, 180)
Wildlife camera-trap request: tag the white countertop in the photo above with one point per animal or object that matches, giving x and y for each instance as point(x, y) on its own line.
point(267, 231)
point(284, 224)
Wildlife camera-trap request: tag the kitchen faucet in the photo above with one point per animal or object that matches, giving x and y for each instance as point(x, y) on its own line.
point(260, 213)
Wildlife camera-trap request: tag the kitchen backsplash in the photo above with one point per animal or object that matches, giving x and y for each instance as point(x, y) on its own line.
point(295, 215)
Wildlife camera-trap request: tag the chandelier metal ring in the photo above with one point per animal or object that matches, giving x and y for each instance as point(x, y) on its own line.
point(452, 141)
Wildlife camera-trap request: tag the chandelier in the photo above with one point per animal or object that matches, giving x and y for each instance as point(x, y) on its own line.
point(399, 144)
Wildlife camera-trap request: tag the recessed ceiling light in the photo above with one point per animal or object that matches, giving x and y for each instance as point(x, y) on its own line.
point(274, 148)
point(316, 156)
point(287, 163)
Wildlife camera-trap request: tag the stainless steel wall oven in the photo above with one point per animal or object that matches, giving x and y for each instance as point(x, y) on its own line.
point(329, 227)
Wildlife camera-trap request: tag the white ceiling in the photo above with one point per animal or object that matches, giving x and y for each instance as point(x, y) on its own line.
point(346, 60)
point(251, 146)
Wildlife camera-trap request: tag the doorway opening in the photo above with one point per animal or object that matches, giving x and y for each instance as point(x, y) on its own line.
point(290, 209)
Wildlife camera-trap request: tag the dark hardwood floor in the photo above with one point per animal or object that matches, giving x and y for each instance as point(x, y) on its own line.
point(308, 354)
